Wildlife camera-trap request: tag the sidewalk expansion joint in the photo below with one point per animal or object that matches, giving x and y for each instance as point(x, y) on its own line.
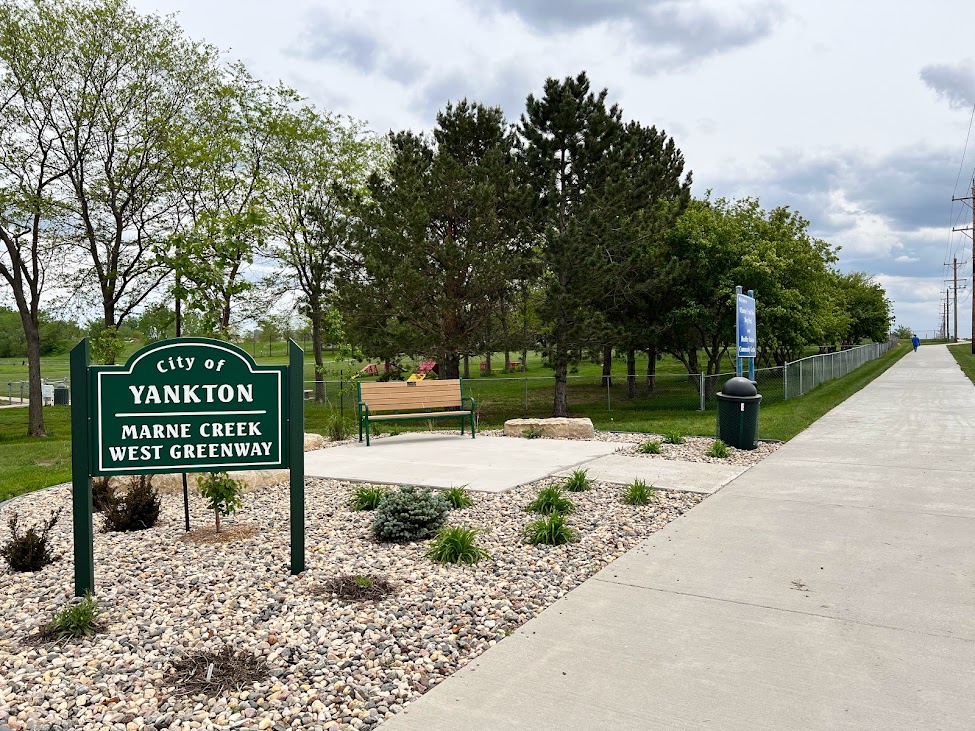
point(771, 498)
point(855, 465)
point(907, 630)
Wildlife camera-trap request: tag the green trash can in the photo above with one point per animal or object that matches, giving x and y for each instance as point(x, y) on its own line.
point(61, 397)
point(738, 405)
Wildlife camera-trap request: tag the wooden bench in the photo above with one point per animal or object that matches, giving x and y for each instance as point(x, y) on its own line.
point(417, 401)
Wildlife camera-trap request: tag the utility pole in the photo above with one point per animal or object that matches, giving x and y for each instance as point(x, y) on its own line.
point(971, 230)
point(945, 331)
point(956, 299)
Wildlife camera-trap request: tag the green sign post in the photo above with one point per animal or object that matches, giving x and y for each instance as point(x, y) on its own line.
point(183, 405)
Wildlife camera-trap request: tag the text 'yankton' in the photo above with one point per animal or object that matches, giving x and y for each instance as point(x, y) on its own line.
point(206, 393)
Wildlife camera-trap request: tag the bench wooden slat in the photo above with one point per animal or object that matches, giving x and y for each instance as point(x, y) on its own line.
point(369, 388)
point(424, 403)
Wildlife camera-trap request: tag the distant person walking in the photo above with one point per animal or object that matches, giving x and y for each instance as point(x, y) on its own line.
point(915, 341)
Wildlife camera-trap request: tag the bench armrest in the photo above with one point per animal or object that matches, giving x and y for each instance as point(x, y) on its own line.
point(468, 398)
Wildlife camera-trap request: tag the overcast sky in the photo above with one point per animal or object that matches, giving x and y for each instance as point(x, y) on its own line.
point(855, 113)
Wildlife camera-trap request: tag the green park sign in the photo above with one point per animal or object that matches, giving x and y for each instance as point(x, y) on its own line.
point(183, 405)
point(188, 405)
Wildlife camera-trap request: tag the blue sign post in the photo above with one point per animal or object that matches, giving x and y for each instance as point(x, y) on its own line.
point(746, 333)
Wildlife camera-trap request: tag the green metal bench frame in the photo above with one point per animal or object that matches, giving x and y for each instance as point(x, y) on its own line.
point(366, 416)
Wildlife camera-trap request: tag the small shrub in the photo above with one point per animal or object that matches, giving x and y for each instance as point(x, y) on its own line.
point(338, 428)
point(651, 447)
point(79, 618)
point(578, 481)
point(639, 493)
point(408, 514)
point(367, 497)
point(29, 551)
point(458, 497)
point(551, 530)
point(102, 493)
point(137, 509)
point(532, 432)
point(550, 500)
point(222, 494)
point(456, 544)
point(719, 449)
point(358, 588)
point(674, 437)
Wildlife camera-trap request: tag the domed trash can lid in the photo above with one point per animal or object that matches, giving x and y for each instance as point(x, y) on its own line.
point(739, 387)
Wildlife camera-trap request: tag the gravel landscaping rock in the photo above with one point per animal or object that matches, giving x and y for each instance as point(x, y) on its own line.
point(331, 664)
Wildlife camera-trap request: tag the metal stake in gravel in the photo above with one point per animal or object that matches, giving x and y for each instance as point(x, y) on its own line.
point(183, 405)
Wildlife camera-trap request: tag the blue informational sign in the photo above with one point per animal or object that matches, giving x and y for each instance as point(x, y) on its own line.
point(747, 333)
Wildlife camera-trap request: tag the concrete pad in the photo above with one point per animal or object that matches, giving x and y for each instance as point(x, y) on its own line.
point(487, 464)
point(617, 657)
point(667, 474)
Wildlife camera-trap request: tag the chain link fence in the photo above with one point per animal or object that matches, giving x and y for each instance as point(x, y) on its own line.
point(802, 376)
point(510, 397)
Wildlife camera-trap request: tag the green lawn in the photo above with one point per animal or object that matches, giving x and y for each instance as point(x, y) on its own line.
point(29, 464)
point(963, 354)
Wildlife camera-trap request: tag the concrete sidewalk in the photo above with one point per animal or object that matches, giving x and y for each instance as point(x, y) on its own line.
point(831, 586)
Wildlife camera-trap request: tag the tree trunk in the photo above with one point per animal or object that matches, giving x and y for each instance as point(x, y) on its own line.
point(507, 361)
point(35, 405)
point(217, 514)
point(487, 364)
point(109, 325)
point(607, 366)
point(524, 360)
point(315, 314)
point(651, 371)
point(631, 373)
point(467, 366)
point(451, 366)
point(560, 406)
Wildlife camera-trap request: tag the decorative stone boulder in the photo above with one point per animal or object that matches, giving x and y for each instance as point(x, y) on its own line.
point(558, 427)
point(314, 441)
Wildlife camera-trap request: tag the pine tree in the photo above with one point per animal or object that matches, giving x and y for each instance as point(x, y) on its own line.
point(569, 135)
point(440, 239)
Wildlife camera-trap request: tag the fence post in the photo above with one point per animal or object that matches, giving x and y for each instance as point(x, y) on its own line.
point(785, 381)
point(800, 378)
point(702, 391)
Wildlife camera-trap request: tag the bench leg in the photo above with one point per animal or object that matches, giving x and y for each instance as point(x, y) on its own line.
point(472, 425)
point(367, 431)
point(463, 419)
point(360, 427)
